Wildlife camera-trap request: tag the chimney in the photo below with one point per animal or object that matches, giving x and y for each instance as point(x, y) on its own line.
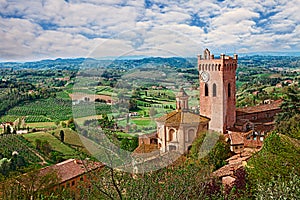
point(232, 169)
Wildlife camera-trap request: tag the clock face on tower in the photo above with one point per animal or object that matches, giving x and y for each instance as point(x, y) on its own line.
point(204, 76)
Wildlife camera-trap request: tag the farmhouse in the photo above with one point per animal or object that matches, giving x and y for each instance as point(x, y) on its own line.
point(70, 173)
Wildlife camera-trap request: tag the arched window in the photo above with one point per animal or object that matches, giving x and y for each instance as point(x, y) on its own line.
point(206, 90)
point(214, 90)
point(191, 135)
point(205, 67)
point(229, 90)
point(219, 68)
point(208, 67)
point(212, 67)
point(171, 135)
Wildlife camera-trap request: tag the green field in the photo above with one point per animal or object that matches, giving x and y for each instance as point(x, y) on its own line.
point(72, 138)
point(43, 110)
point(41, 125)
point(56, 144)
point(144, 122)
point(51, 110)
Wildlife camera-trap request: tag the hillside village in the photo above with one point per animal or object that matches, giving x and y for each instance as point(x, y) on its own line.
point(240, 131)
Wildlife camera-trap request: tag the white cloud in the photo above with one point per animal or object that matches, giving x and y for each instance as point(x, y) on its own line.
point(73, 28)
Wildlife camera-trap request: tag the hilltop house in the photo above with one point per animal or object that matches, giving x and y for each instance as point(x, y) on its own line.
point(69, 174)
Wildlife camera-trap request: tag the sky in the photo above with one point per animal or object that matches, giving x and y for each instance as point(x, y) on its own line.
point(33, 29)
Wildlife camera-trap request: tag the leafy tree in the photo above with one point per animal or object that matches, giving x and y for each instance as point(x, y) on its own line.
point(290, 105)
point(290, 127)
point(29, 186)
point(17, 161)
point(5, 166)
point(46, 147)
point(8, 129)
point(63, 124)
point(38, 144)
point(279, 188)
point(62, 135)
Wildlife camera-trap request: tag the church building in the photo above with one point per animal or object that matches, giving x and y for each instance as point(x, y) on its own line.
point(178, 129)
point(243, 127)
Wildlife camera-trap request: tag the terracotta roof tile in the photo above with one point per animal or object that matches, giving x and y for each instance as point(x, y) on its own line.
point(177, 117)
point(228, 181)
point(71, 168)
point(227, 170)
point(236, 138)
point(145, 148)
point(260, 108)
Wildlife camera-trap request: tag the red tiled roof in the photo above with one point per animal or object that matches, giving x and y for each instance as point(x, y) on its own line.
point(178, 117)
point(149, 135)
point(71, 168)
point(228, 181)
point(236, 138)
point(260, 108)
point(227, 170)
point(145, 148)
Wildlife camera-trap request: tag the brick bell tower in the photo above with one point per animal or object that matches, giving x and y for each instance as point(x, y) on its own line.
point(217, 89)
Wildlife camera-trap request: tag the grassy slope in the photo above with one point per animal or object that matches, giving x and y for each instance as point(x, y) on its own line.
point(56, 144)
point(279, 156)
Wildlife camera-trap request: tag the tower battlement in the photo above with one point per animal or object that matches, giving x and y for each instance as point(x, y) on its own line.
point(217, 89)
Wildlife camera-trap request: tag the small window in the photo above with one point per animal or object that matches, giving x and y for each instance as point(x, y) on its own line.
point(229, 90)
point(254, 118)
point(68, 184)
point(214, 90)
point(206, 90)
point(81, 178)
point(236, 147)
point(73, 183)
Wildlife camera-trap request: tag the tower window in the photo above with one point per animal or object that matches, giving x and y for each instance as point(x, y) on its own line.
point(206, 90)
point(219, 68)
point(214, 90)
point(229, 90)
